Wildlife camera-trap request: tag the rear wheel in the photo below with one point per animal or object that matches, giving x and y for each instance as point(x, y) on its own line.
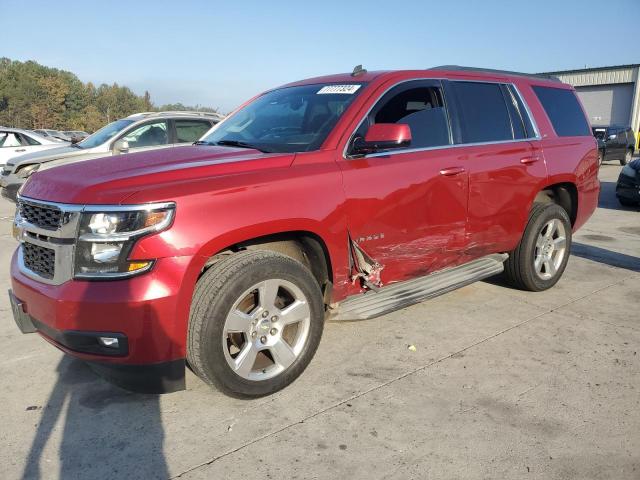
point(628, 155)
point(539, 260)
point(256, 321)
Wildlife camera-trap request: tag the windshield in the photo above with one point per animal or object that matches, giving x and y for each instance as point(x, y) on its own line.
point(599, 133)
point(104, 134)
point(290, 119)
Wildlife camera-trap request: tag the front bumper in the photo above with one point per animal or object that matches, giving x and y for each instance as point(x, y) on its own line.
point(146, 313)
point(10, 185)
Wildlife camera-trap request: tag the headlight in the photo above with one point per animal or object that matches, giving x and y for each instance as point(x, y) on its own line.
point(105, 240)
point(26, 170)
point(628, 171)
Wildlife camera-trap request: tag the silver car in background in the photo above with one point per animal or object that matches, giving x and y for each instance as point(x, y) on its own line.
point(15, 142)
point(135, 133)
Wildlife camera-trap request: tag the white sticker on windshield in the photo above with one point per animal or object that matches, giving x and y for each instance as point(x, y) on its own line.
point(344, 89)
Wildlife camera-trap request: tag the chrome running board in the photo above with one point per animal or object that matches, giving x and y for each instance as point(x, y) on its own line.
point(403, 294)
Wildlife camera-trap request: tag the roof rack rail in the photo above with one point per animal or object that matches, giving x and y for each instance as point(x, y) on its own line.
point(177, 113)
point(491, 70)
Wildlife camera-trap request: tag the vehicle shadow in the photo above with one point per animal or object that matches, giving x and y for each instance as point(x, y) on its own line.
point(102, 430)
point(608, 257)
point(609, 200)
point(107, 432)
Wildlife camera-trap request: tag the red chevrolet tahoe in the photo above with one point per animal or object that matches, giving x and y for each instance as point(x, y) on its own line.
point(346, 197)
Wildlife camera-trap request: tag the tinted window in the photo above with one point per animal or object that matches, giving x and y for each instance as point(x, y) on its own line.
point(422, 108)
point(27, 140)
point(564, 111)
point(517, 123)
point(188, 131)
point(483, 112)
point(148, 135)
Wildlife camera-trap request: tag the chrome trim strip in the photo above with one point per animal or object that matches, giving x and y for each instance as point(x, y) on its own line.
point(440, 147)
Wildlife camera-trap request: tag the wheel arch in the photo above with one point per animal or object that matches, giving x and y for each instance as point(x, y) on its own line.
point(306, 246)
point(564, 194)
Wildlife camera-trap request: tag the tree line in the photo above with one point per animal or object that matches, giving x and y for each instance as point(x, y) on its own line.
point(35, 96)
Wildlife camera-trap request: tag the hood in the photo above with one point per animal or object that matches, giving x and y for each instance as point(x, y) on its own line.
point(111, 180)
point(635, 164)
point(48, 155)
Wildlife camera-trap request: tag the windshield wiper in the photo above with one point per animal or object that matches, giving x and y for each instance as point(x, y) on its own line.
point(202, 142)
point(240, 144)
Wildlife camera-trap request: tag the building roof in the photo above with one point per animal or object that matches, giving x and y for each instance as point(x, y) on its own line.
point(593, 69)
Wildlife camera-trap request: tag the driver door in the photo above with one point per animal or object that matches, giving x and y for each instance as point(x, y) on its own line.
point(407, 208)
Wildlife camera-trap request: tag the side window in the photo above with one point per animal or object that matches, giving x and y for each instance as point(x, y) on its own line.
point(420, 107)
point(188, 131)
point(147, 135)
point(27, 140)
point(9, 139)
point(517, 123)
point(483, 112)
point(563, 110)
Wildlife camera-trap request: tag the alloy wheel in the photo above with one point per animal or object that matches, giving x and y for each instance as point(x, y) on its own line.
point(266, 329)
point(551, 247)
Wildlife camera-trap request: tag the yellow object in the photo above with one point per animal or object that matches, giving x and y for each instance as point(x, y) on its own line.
point(133, 266)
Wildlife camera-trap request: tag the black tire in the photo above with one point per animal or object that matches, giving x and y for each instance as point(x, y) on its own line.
point(519, 268)
point(628, 155)
point(627, 203)
point(218, 290)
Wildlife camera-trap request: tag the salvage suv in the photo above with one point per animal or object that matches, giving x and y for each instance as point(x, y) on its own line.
point(343, 197)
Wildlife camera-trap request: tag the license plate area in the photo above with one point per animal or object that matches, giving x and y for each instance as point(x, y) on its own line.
point(22, 318)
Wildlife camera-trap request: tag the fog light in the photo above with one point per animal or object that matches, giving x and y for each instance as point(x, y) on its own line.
point(109, 342)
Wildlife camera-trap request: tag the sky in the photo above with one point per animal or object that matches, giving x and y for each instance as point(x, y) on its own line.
point(219, 54)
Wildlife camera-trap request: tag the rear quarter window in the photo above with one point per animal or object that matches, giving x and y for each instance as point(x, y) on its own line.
point(564, 111)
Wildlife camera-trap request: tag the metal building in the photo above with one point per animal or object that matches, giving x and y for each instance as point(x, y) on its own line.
point(610, 95)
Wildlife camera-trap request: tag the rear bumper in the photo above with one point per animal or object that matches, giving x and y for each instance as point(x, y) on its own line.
point(146, 314)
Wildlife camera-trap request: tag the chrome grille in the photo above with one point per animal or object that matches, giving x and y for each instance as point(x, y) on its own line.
point(42, 216)
point(39, 259)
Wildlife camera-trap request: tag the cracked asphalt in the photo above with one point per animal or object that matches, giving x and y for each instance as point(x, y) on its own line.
point(502, 384)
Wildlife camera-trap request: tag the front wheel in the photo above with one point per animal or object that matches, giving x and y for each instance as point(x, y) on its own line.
point(539, 260)
point(256, 321)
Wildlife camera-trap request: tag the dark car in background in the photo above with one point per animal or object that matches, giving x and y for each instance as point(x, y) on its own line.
point(628, 186)
point(615, 142)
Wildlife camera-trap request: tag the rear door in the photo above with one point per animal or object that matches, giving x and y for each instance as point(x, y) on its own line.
point(407, 208)
point(504, 160)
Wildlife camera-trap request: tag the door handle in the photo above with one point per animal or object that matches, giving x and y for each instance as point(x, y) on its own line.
point(21, 150)
point(529, 160)
point(451, 171)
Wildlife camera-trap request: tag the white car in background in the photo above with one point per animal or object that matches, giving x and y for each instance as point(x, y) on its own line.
point(15, 142)
point(135, 133)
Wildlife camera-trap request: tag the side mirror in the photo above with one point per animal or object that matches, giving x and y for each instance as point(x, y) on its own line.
point(384, 136)
point(120, 146)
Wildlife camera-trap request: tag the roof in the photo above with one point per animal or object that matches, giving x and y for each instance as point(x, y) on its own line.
point(491, 71)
